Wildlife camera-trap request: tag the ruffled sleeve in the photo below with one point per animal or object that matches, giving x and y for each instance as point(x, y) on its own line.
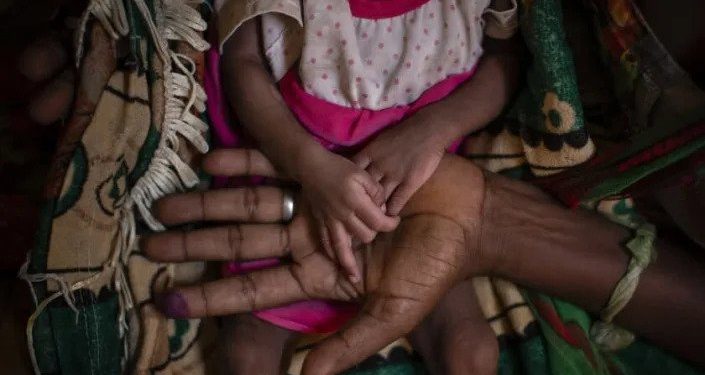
point(233, 13)
point(501, 19)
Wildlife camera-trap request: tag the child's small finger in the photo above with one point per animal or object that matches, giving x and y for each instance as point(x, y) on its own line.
point(373, 189)
point(342, 244)
point(344, 253)
point(361, 160)
point(323, 232)
point(398, 200)
point(349, 264)
point(389, 185)
point(374, 217)
point(339, 237)
point(325, 239)
point(361, 231)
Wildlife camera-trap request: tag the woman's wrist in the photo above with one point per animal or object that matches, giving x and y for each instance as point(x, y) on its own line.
point(579, 256)
point(536, 242)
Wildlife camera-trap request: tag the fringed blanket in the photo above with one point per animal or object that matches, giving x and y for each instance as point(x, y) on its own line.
point(590, 125)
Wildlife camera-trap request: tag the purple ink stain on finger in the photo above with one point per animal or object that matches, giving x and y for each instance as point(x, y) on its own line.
point(172, 304)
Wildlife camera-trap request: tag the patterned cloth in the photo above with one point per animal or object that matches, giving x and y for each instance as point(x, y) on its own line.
point(119, 152)
point(649, 114)
point(126, 144)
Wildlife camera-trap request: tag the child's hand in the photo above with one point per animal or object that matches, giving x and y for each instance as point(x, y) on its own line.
point(346, 201)
point(402, 158)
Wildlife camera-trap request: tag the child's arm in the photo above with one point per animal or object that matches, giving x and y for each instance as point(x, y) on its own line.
point(253, 95)
point(343, 196)
point(482, 98)
point(405, 156)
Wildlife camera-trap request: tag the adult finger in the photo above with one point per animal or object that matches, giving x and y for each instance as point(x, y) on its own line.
point(253, 291)
point(238, 162)
point(382, 320)
point(420, 265)
point(233, 242)
point(262, 204)
point(339, 237)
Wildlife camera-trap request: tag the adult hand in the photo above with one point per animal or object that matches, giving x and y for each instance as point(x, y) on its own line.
point(460, 223)
point(405, 273)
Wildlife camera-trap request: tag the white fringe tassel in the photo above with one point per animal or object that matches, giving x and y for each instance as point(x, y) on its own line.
point(176, 20)
point(112, 16)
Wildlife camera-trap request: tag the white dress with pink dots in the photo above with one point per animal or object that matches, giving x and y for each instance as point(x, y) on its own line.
point(366, 56)
point(350, 68)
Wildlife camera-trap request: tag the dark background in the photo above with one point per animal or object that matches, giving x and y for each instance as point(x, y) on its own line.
point(27, 142)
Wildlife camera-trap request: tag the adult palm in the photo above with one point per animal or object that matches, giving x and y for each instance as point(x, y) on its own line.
point(406, 272)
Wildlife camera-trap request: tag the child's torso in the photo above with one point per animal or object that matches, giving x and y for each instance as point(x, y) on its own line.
point(377, 54)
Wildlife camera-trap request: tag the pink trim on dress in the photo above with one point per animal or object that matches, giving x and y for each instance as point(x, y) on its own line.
point(346, 126)
point(378, 9)
point(216, 103)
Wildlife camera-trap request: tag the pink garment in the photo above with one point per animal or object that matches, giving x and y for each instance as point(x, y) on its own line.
point(340, 127)
point(375, 9)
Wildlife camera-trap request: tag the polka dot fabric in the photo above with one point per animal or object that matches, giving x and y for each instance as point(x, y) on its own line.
point(374, 61)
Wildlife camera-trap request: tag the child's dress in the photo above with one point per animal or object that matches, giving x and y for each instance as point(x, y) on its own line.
point(348, 69)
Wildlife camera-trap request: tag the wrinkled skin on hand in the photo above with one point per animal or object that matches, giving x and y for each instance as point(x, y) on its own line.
point(405, 272)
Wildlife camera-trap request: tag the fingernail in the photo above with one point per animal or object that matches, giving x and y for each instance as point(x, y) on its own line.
point(354, 278)
point(172, 304)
